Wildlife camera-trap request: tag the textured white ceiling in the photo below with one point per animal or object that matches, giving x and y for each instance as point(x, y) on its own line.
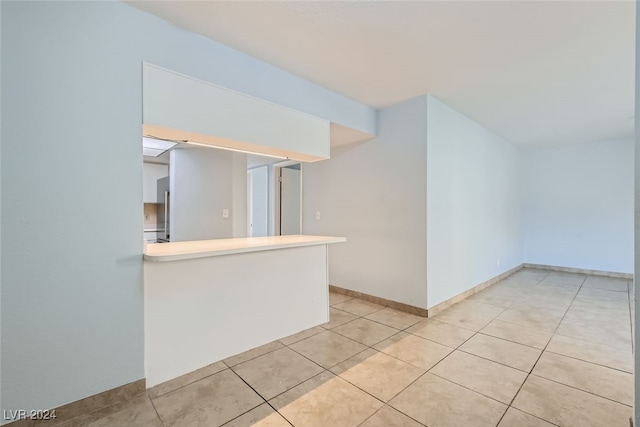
point(540, 73)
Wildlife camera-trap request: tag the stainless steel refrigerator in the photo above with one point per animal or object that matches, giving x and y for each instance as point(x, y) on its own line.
point(164, 211)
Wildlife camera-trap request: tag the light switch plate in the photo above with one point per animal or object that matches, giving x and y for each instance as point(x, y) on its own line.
point(225, 213)
point(317, 214)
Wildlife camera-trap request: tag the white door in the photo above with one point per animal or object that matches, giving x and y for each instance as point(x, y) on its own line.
point(290, 201)
point(257, 183)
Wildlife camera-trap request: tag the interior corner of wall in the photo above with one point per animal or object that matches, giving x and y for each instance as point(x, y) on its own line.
point(431, 100)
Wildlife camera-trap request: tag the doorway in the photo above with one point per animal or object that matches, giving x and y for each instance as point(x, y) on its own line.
point(274, 198)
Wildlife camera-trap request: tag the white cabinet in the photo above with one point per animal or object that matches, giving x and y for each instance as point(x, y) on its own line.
point(151, 174)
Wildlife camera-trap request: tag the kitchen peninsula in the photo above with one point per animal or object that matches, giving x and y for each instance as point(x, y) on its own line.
point(210, 299)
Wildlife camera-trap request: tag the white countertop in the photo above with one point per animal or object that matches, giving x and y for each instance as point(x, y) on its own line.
point(175, 251)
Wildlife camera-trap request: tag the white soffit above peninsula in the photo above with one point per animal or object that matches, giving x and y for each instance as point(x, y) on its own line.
point(536, 73)
point(177, 107)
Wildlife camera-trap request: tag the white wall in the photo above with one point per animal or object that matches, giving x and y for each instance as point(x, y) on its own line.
point(72, 301)
point(258, 212)
point(473, 217)
point(374, 194)
point(290, 200)
point(272, 182)
point(202, 185)
point(578, 205)
point(151, 173)
point(239, 195)
point(272, 227)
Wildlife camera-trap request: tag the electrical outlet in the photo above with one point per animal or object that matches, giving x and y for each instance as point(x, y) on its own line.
point(147, 217)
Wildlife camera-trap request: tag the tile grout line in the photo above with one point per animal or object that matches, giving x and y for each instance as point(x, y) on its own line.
point(302, 339)
point(313, 361)
point(333, 366)
point(189, 383)
point(565, 311)
point(259, 395)
point(534, 416)
point(491, 360)
point(394, 327)
point(193, 382)
point(338, 375)
point(281, 414)
point(156, 410)
point(458, 347)
point(587, 361)
point(422, 338)
point(324, 370)
point(251, 358)
point(341, 324)
point(543, 350)
point(584, 391)
point(462, 327)
point(411, 364)
point(525, 379)
point(348, 299)
point(520, 325)
point(397, 331)
point(293, 386)
point(461, 344)
point(436, 342)
point(510, 340)
point(463, 386)
point(470, 389)
point(356, 386)
point(382, 307)
point(367, 419)
point(444, 345)
point(525, 326)
point(230, 367)
point(428, 371)
point(395, 409)
point(404, 388)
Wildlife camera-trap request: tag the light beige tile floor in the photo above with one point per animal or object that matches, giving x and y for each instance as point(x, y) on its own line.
point(537, 349)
